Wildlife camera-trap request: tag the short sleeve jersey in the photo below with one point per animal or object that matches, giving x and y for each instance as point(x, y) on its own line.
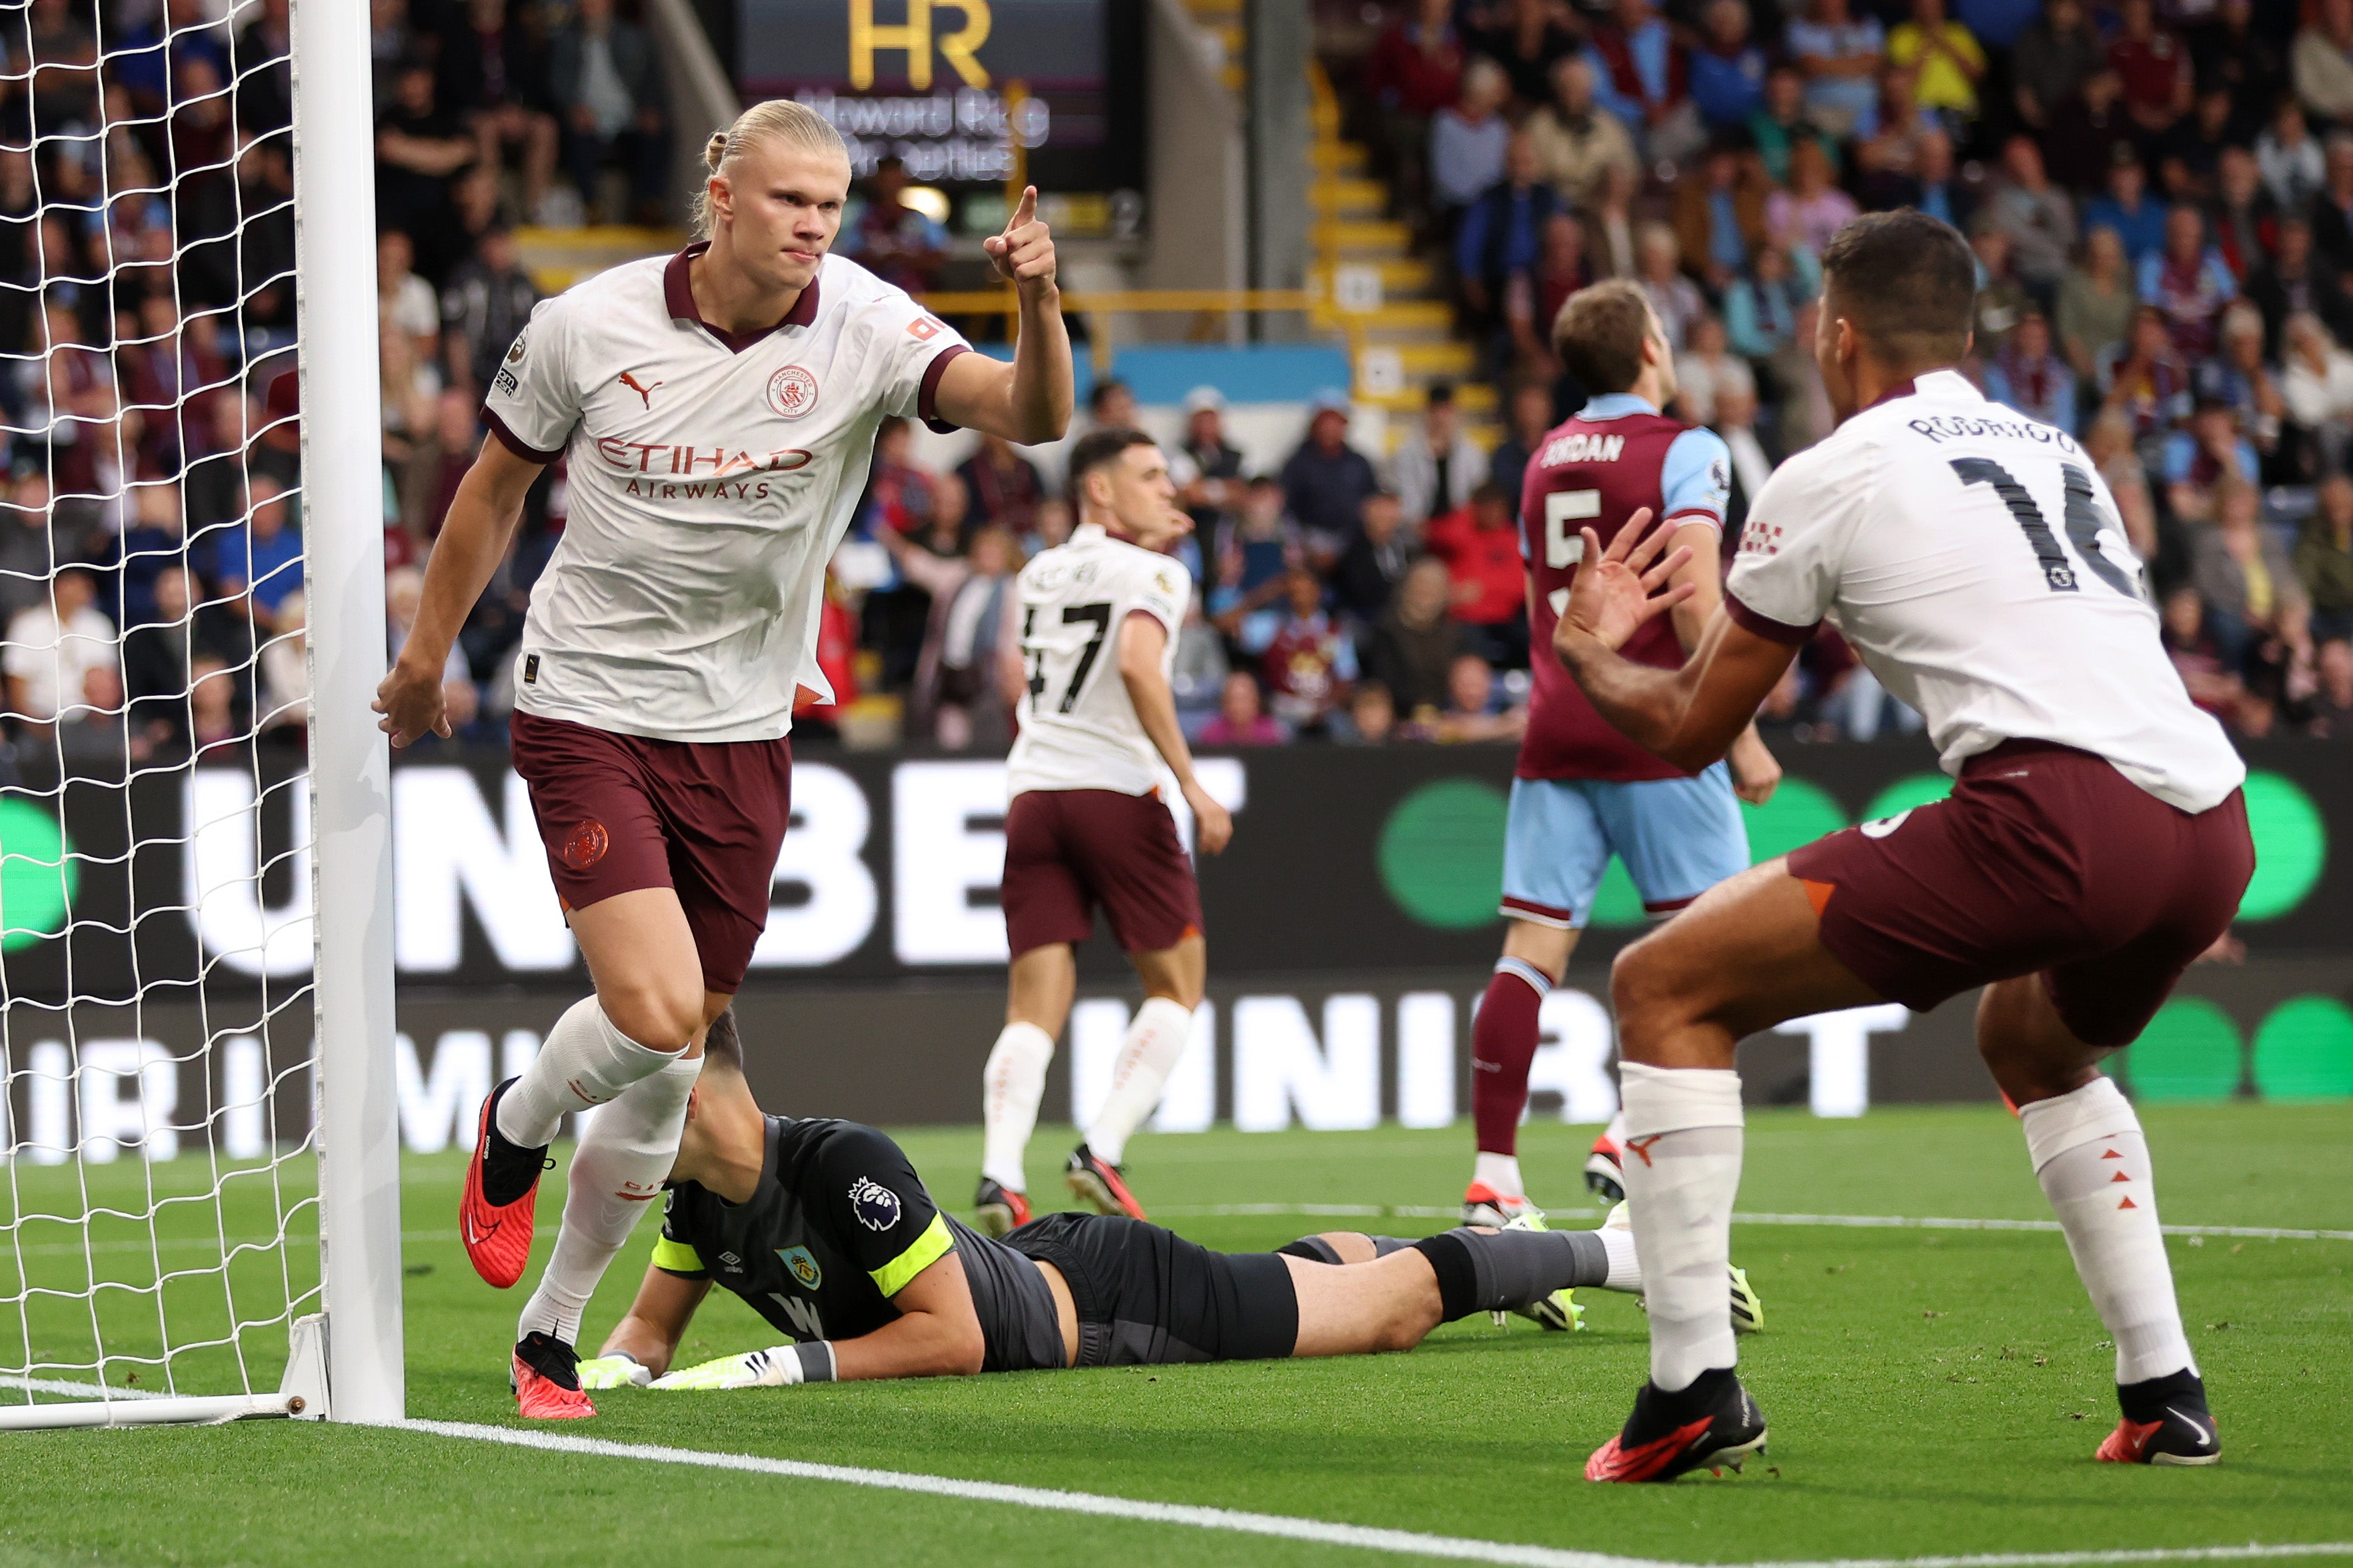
point(1616, 456)
point(1975, 561)
point(1079, 729)
point(837, 1225)
point(712, 476)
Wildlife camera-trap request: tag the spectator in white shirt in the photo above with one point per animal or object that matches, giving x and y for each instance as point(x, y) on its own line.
point(1436, 466)
point(402, 299)
point(52, 648)
point(1467, 141)
point(1704, 369)
point(2317, 385)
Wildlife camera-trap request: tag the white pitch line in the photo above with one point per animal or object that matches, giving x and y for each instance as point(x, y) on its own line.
point(58, 1385)
point(1401, 1543)
point(2069, 1558)
point(1854, 1221)
point(1406, 1542)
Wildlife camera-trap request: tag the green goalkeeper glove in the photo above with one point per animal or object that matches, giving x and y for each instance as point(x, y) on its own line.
point(618, 1369)
point(775, 1367)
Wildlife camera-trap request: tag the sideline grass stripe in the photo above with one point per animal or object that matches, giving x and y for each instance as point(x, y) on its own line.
point(1404, 1542)
point(1857, 1221)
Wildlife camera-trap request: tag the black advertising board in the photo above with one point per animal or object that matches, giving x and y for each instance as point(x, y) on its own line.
point(1343, 860)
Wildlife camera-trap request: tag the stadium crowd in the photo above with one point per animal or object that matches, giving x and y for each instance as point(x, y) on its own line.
point(2160, 198)
point(2159, 194)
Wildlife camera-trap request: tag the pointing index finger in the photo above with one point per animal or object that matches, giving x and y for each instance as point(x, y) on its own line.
point(1025, 211)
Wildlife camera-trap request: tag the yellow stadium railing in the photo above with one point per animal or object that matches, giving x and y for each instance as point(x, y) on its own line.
point(1098, 306)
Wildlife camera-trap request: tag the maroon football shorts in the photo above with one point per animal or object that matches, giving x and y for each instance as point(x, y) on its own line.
point(702, 818)
point(1068, 850)
point(2044, 860)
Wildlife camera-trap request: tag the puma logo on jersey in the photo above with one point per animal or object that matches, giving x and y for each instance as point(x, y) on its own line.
point(1642, 1146)
point(629, 380)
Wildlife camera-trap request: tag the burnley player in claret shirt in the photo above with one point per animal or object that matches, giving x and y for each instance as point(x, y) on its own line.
point(1582, 791)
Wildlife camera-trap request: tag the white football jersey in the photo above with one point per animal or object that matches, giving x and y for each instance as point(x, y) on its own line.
point(712, 475)
point(1975, 561)
point(1078, 731)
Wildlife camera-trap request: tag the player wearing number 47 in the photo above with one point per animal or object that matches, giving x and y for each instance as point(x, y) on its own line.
point(2095, 844)
point(824, 1229)
point(1089, 824)
point(719, 409)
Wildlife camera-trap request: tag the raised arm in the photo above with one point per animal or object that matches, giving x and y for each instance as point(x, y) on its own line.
point(1140, 642)
point(474, 539)
point(1691, 716)
point(1029, 400)
point(1755, 773)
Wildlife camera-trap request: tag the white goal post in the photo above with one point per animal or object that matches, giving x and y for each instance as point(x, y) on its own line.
point(87, 1339)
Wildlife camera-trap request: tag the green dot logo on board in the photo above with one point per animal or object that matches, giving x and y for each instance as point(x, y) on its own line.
point(2291, 845)
point(37, 874)
point(2191, 1053)
point(2303, 1051)
point(1441, 853)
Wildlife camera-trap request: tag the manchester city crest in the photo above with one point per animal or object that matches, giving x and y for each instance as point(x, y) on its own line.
point(802, 1266)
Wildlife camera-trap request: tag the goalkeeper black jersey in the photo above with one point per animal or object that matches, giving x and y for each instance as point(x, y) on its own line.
point(837, 1225)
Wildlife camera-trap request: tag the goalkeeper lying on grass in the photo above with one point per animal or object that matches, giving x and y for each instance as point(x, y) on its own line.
point(825, 1229)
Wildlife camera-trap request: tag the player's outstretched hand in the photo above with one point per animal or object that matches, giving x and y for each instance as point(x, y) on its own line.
point(619, 1370)
point(410, 699)
point(1617, 590)
point(1024, 254)
point(1213, 825)
point(770, 1368)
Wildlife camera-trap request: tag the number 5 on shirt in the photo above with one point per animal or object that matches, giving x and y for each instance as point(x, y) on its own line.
point(1564, 545)
point(1563, 510)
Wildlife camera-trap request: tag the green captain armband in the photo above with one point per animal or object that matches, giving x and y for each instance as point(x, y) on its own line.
point(929, 1248)
point(677, 1258)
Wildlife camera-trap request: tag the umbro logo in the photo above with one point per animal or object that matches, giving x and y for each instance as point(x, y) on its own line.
point(629, 380)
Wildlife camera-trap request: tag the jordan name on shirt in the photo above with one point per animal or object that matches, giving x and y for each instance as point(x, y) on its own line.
point(1582, 447)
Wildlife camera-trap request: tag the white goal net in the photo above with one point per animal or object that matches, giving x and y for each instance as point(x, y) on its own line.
point(181, 791)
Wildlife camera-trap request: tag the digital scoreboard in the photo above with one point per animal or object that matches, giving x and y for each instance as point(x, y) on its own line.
point(960, 89)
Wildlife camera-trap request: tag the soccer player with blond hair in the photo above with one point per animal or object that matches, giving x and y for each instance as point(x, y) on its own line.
point(719, 408)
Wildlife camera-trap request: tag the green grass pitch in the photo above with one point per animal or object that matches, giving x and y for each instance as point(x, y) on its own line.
point(1929, 1392)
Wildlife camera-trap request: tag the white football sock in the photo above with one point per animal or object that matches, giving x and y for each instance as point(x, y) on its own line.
point(585, 1063)
point(1499, 1172)
point(1616, 1131)
point(2093, 1162)
point(1155, 1038)
point(1011, 1086)
point(626, 1151)
point(1684, 1138)
point(1625, 1268)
